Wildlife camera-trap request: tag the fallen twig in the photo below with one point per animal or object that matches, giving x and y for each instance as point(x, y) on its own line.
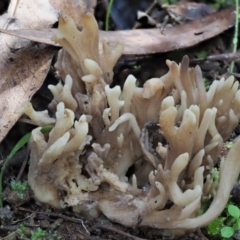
point(200, 234)
point(70, 219)
point(113, 229)
point(218, 57)
point(23, 165)
point(235, 38)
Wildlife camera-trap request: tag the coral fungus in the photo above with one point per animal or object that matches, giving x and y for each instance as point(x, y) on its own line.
point(170, 133)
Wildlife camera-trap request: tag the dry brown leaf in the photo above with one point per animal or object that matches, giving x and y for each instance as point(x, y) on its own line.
point(182, 11)
point(74, 8)
point(23, 64)
point(148, 41)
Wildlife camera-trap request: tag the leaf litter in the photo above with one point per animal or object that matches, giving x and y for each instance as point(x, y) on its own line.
point(151, 41)
point(23, 64)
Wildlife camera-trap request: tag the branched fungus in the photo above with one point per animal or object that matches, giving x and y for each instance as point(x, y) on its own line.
point(168, 133)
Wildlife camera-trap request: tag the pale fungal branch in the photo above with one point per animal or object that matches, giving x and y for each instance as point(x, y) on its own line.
point(134, 154)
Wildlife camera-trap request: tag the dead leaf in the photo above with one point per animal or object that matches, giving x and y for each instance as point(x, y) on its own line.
point(188, 10)
point(74, 8)
point(23, 64)
point(144, 18)
point(149, 41)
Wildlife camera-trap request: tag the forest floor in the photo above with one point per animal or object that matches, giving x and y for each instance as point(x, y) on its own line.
point(23, 218)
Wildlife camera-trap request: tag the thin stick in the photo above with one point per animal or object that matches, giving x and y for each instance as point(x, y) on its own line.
point(119, 232)
point(150, 8)
point(235, 39)
point(23, 165)
point(217, 57)
point(70, 219)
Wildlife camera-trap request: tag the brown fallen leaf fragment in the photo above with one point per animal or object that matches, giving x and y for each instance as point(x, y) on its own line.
point(23, 64)
point(188, 10)
point(24, 76)
point(149, 41)
point(74, 8)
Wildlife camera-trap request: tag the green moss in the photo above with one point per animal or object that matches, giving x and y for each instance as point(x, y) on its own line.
point(19, 186)
point(38, 234)
point(202, 54)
